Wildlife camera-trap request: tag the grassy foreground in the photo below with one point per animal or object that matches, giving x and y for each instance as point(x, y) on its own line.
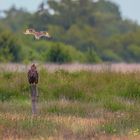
point(75, 106)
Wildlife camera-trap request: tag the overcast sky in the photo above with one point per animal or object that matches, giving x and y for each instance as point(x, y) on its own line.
point(129, 8)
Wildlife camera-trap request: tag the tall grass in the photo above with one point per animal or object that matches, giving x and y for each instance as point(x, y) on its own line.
point(77, 105)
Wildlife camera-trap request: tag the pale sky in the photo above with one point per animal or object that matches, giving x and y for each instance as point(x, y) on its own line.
point(129, 8)
point(30, 5)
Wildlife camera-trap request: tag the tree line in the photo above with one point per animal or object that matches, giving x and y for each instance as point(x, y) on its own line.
point(82, 31)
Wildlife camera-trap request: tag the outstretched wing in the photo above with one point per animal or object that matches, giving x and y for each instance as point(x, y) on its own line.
point(37, 35)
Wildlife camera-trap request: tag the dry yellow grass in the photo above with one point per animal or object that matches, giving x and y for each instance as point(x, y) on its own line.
point(76, 124)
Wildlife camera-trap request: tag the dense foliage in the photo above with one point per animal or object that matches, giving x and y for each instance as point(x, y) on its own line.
point(84, 31)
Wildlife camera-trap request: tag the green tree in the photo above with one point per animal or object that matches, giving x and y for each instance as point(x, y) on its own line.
point(16, 19)
point(81, 24)
point(61, 53)
point(92, 56)
point(10, 50)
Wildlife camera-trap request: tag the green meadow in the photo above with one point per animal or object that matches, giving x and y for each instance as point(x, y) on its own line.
point(79, 105)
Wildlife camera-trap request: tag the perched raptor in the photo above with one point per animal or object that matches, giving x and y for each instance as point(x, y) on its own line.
point(33, 75)
point(37, 34)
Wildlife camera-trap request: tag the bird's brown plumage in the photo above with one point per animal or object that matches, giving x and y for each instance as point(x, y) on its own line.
point(33, 75)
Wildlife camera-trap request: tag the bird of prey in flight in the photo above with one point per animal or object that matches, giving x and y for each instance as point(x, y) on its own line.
point(37, 34)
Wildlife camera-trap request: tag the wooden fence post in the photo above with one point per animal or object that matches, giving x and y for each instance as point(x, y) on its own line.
point(34, 96)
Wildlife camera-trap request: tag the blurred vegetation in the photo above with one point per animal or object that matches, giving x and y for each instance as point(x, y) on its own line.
point(71, 103)
point(82, 31)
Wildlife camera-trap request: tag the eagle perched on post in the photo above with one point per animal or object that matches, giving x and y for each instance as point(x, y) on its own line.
point(33, 75)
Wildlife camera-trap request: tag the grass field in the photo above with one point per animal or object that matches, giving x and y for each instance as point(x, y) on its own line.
point(79, 105)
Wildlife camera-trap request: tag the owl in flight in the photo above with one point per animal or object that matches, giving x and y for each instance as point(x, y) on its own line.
point(37, 34)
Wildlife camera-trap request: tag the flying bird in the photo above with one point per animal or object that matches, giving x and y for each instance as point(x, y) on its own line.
point(37, 34)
